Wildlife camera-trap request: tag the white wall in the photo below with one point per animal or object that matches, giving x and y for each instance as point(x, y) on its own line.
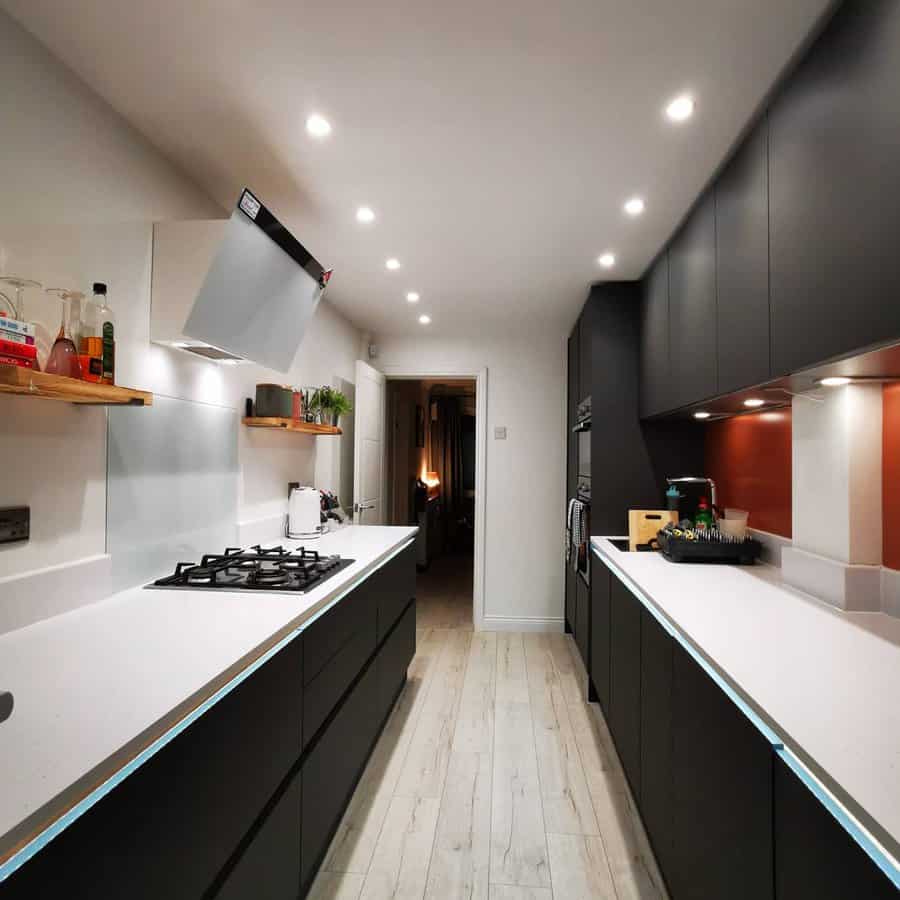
point(80, 191)
point(525, 476)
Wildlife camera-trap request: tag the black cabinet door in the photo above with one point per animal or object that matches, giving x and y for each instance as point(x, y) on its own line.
point(171, 826)
point(656, 736)
point(654, 353)
point(332, 768)
point(742, 265)
point(692, 306)
point(269, 867)
point(394, 658)
point(394, 585)
point(583, 618)
point(815, 858)
point(834, 141)
point(625, 679)
point(721, 793)
point(599, 667)
point(572, 400)
point(584, 352)
point(575, 367)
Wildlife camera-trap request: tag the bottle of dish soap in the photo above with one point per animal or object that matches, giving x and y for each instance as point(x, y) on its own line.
point(703, 520)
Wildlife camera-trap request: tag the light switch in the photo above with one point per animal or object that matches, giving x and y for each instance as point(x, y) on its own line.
point(500, 433)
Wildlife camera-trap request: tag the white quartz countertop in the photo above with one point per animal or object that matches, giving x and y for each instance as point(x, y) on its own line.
point(96, 686)
point(825, 681)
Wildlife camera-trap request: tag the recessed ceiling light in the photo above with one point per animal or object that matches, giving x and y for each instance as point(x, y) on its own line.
point(424, 320)
point(754, 402)
point(702, 415)
point(365, 215)
point(834, 381)
point(412, 297)
point(681, 108)
point(318, 126)
point(393, 264)
point(634, 206)
point(607, 260)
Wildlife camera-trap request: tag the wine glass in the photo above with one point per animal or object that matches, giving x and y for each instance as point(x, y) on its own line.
point(64, 355)
point(19, 284)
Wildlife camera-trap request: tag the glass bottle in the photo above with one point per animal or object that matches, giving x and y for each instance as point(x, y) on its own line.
point(64, 355)
point(107, 321)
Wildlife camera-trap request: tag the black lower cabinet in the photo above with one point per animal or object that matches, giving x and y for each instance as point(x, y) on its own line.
point(169, 828)
point(657, 647)
point(815, 857)
point(269, 866)
point(570, 599)
point(583, 619)
point(599, 667)
point(333, 767)
point(625, 680)
point(394, 659)
point(721, 793)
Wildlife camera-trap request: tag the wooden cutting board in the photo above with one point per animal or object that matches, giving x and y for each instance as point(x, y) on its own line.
point(644, 523)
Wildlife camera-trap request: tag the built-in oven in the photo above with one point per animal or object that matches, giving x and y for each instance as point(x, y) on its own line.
point(582, 431)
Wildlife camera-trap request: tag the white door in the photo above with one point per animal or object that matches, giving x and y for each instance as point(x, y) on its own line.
point(369, 446)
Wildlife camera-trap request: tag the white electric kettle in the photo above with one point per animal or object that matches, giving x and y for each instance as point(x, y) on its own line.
point(304, 519)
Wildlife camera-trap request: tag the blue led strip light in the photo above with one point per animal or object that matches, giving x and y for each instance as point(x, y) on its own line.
point(869, 844)
point(39, 841)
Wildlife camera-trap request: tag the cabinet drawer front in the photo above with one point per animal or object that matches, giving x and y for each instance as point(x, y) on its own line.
point(269, 868)
point(328, 634)
point(600, 634)
point(394, 659)
point(625, 680)
point(170, 827)
point(321, 695)
point(331, 770)
point(396, 586)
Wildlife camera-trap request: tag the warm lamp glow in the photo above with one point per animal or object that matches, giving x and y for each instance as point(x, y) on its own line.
point(432, 480)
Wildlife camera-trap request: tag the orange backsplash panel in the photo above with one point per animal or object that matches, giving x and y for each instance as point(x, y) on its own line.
point(749, 457)
point(890, 477)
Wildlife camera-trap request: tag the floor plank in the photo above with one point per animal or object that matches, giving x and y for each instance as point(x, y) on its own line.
point(512, 892)
point(475, 722)
point(399, 867)
point(460, 861)
point(336, 886)
point(579, 867)
point(564, 791)
point(518, 840)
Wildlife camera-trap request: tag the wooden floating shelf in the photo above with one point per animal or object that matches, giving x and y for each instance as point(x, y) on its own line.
point(28, 383)
point(290, 425)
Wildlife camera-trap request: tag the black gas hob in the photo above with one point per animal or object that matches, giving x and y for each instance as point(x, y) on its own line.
point(270, 569)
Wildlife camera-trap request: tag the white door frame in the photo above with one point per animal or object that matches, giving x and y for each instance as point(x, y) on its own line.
point(480, 376)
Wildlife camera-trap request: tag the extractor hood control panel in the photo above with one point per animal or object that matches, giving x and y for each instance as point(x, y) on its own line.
point(15, 524)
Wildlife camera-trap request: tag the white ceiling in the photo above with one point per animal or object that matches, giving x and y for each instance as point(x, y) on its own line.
point(496, 140)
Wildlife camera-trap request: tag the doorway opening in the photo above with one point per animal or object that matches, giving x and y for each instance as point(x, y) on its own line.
point(432, 469)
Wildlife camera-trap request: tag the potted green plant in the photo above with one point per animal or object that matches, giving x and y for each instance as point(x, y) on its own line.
point(330, 403)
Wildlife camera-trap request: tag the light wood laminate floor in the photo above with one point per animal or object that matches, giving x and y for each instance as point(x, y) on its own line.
point(493, 779)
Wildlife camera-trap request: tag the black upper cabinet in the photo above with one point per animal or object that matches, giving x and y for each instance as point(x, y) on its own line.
point(692, 307)
point(585, 332)
point(834, 142)
point(574, 369)
point(655, 383)
point(815, 858)
point(599, 667)
point(625, 679)
point(721, 793)
point(742, 265)
point(656, 737)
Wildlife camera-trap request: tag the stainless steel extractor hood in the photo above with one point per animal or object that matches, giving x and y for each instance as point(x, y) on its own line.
point(242, 288)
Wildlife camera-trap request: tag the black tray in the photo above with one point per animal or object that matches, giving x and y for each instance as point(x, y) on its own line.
point(681, 550)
